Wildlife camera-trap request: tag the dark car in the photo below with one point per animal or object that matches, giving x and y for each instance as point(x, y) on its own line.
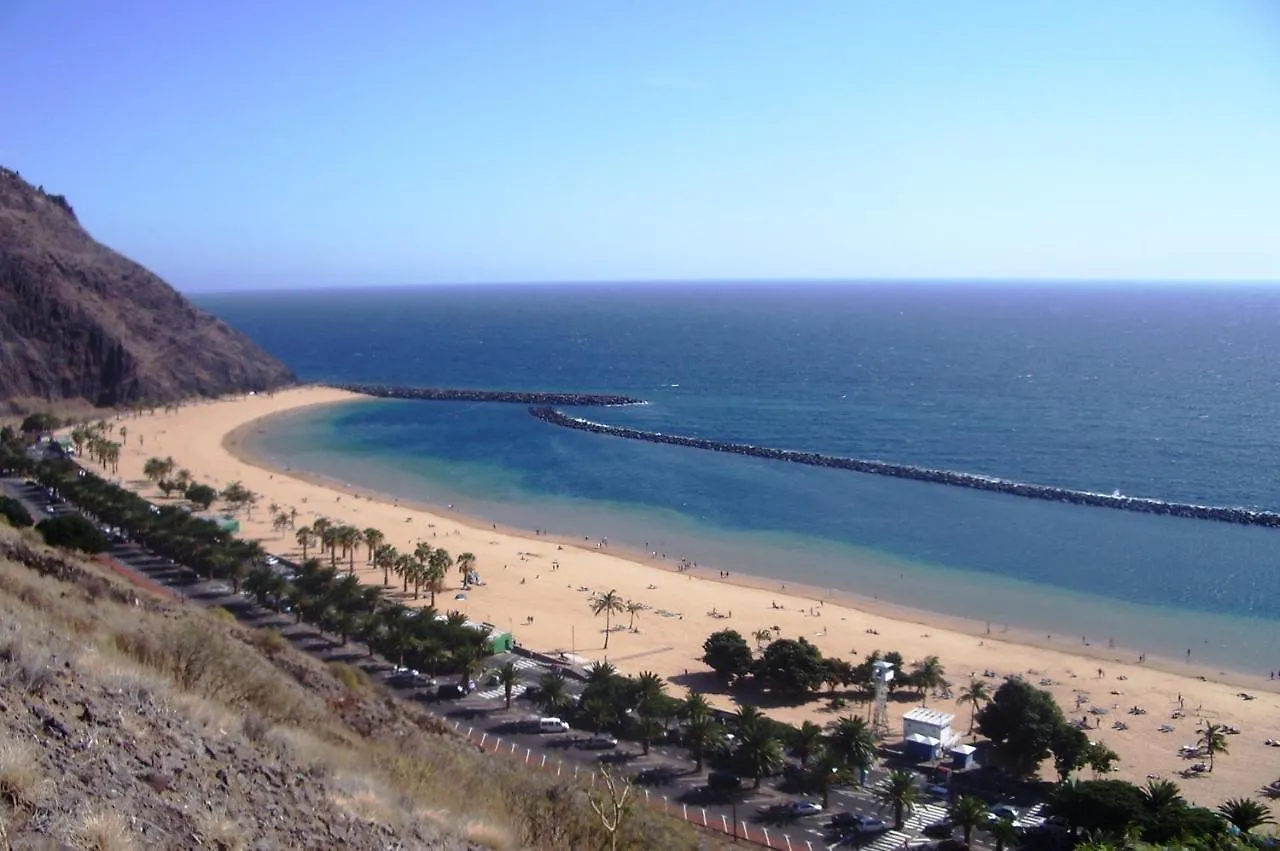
point(600, 743)
point(940, 829)
point(858, 823)
point(723, 781)
point(450, 691)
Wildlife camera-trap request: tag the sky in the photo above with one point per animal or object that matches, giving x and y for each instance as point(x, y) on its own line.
point(240, 145)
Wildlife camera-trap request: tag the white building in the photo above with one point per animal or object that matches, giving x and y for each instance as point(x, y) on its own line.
point(927, 732)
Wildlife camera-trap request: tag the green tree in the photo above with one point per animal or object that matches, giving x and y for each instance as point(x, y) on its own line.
point(1070, 750)
point(437, 568)
point(1100, 807)
point(851, 739)
point(808, 741)
point(633, 609)
point(702, 734)
point(15, 512)
point(1213, 740)
point(649, 691)
point(791, 666)
point(1004, 832)
point(969, 812)
point(606, 603)
point(155, 469)
point(1021, 721)
point(372, 539)
point(1245, 814)
point(726, 652)
point(977, 694)
point(201, 496)
point(1160, 795)
point(73, 532)
point(466, 563)
point(758, 752)
point(928, 674)
point(1100, 759)
point(508, 677)
point(553, 692)
point(828, 771)
point(899, 793)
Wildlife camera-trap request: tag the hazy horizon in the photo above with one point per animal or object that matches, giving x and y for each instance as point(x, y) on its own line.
point(243, 146)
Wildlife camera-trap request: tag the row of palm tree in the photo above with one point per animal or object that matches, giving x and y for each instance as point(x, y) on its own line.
point(319, 594)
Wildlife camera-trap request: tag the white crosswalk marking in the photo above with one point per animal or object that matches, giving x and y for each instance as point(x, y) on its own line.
point(525, 664)
point(500, 692)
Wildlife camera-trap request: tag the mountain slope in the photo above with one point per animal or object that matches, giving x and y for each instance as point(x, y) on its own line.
point(80, 321)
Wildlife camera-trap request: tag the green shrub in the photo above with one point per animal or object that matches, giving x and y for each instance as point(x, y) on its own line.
point(73, 532)
point(15, 513)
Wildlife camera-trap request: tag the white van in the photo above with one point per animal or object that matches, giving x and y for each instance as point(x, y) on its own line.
point(552, 725)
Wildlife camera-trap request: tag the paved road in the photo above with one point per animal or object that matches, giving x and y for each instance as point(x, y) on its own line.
point(666, 771)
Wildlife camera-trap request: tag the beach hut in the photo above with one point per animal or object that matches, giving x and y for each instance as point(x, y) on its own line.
point(962, 757)
point(228, 524)
point(501, 642)
point(926, 732)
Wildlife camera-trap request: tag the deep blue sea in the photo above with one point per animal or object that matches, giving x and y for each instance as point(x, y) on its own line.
point(1162, 391)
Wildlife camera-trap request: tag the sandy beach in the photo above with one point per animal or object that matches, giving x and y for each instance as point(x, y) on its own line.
point(538, 586)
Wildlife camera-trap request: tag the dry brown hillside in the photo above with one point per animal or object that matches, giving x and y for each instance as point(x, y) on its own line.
point(132, 722)
point(80, 321)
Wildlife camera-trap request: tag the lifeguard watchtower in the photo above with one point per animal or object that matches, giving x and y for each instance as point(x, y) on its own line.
point(881, 676)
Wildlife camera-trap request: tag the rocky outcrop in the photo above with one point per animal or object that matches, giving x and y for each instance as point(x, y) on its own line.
point(520, 397)
point(79, 321)
point(1224, 514)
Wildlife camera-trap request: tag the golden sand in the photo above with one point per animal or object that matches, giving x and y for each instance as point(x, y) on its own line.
point(538, 588)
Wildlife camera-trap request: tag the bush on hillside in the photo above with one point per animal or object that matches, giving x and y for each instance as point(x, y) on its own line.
point(73, 532)
point(15, 513)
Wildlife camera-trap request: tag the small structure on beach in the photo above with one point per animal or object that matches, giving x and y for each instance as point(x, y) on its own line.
point(926, 732)
point(230, 525)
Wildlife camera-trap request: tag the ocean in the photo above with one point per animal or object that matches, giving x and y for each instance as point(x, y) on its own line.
point(1150, 390)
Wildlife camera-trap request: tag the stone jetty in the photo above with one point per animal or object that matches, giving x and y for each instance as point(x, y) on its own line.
point(1224, 514)
point(520, 397)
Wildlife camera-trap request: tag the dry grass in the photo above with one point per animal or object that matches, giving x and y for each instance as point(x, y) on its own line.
point(353, 678)
point(23, 785)
point(104, 830)
point(217, 830)
point(236, 682)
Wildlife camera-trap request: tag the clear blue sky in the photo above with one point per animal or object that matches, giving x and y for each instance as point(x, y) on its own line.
point(282, 143)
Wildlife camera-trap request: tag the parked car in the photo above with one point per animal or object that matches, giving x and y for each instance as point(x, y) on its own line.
point(858, 823)
point(792, 809)
point(600, 743)
point(450, 691)
point(940, 829)
point(552, 725)
point(1000, 812)
point(723, 781)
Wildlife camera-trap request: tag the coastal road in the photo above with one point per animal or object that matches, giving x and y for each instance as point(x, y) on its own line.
point(665, 772)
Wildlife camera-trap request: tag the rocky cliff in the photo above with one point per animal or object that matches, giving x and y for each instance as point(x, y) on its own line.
point(80, 321)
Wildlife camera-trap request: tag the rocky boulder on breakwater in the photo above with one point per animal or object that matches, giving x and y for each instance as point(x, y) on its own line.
point(1224, 514)
point(444, 394)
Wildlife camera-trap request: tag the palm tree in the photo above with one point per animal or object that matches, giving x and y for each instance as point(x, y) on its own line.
point(321, 526)
point(808, 741)
point(1214, 741)
point(508, 677)
point(701, 734)
point(465, 562)
point(349, 538)
point(633, 609)
point(305, 538)
point(1245, 814)
point(373, 539)
point(929, 674)
point(828, 770)
point(969, 812)
point(977, 694)
point(648, 688)
point(437, 568)
point(403, 567)
point(695, 705)
point(466, 657)
point(761, 636)
point(851, 739)
point(1159, 795)
point(554, 693)
point(759, 751)
point(1004, 832)
point(608, 603)
point(385, 557)
point(899, 792)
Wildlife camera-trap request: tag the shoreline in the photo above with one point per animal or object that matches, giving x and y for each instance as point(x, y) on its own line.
point(538, 585)
point(234, 443)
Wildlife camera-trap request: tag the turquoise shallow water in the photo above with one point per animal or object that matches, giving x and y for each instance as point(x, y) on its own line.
point(1157, 392)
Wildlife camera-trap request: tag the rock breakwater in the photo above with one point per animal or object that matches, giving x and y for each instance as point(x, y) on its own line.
point(520, 397)
point(1223, 514)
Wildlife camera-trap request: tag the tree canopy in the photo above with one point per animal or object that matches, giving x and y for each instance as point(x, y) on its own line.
point(72, 531)
point(1023, 722)
point(727, 653)
point(793, 666)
